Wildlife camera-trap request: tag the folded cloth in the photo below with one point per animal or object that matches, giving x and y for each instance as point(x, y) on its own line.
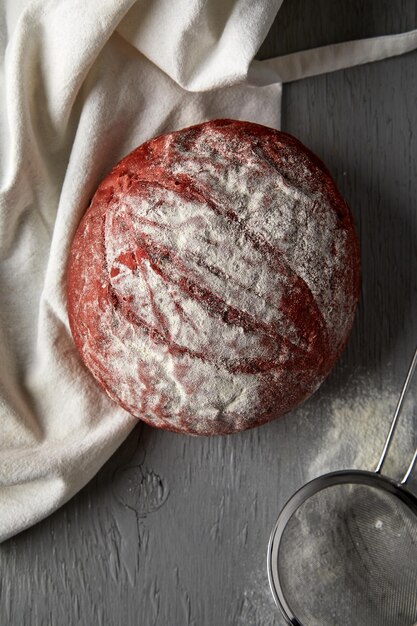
point(84, 83)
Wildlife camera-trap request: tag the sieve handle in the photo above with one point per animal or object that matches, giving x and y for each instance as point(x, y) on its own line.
point(397, 412)
point(410, 469)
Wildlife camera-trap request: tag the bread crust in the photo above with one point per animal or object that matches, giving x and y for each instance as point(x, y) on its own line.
point(213, 280)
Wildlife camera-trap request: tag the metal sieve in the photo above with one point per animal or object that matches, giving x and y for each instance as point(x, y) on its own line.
point(343, 551)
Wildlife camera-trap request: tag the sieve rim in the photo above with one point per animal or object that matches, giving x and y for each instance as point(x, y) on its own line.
point(340, 477)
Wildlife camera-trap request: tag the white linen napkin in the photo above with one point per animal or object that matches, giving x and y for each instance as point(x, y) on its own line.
point(83, 84)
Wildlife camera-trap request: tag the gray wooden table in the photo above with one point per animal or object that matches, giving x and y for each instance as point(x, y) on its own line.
point(173, 530)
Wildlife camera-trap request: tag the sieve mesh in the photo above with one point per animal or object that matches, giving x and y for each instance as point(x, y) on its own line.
point(348, 556)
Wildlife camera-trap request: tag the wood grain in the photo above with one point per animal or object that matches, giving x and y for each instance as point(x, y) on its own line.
point(173, 530)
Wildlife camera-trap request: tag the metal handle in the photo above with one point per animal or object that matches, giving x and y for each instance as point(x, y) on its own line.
point(397, 412)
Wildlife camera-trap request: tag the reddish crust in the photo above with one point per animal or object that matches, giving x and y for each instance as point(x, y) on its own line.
point(143, 170)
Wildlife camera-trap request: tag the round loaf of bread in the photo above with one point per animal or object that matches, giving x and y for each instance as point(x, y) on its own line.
point(213, 280)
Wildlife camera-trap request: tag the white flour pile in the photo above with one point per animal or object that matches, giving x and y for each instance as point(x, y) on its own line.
point(359, 421)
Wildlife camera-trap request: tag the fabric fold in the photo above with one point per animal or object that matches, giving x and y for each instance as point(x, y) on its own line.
point(334, 57)
point(201, 45)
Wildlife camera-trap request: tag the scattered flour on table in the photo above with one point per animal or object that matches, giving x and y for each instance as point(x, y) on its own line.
point(358, 426)
point(257, 606)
